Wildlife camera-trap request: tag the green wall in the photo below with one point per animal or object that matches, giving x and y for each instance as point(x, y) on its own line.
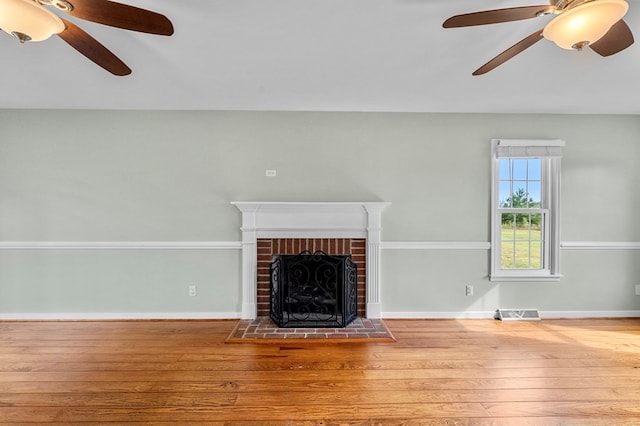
point(169, 176)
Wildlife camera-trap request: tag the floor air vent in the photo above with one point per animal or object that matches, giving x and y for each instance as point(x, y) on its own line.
point(517, 315)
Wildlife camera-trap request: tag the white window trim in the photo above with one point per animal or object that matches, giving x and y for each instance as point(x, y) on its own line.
point(550, 152)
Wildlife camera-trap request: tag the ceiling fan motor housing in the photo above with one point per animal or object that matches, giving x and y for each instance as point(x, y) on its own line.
point(563, 4)
point(62, 5)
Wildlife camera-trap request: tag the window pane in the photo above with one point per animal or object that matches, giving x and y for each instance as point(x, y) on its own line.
point(527, 255)
point(519, 197)
point(507, 260)
point(520, 169)
point(504, 170)
point(504, 194)
point(534, 193)
point(508, 225)
point(522, 232)
point(535, 220)
point(535, 169)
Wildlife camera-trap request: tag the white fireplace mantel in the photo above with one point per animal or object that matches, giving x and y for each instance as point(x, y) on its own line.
point(310, 220)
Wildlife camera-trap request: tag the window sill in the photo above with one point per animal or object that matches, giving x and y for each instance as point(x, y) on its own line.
point(525, 278)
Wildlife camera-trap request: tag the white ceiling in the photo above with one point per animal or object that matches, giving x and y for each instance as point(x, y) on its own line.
point(323, 55)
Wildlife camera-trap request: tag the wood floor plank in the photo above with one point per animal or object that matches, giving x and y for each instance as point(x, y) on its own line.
point(354, 396)
point(501, 367)
point(573, 385)
point(464, 372)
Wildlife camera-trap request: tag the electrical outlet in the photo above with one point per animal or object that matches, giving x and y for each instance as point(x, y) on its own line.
point(193, 291)
point(270, 173)
point(469, 290)
point(637, 289)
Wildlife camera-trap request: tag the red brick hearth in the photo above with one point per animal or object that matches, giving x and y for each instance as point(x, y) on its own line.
point(270, 247)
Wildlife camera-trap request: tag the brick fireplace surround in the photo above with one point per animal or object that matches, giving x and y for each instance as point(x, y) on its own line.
point(270, 247)
point(270, 228)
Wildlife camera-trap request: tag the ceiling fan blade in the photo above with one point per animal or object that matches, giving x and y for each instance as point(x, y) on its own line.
point(519, 47)
point(121, 16)
point(92, 49)
point(616, 40)
point(497, 16)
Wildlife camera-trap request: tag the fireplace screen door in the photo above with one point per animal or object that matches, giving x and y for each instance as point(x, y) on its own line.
point(313, 290)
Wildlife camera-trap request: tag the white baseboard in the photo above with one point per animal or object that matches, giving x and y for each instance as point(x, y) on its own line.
point(439, 315)
point(491, 314)
point(104, 316)
point(589, 314)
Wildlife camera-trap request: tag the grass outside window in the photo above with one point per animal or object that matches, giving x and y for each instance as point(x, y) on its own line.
point(521, 247)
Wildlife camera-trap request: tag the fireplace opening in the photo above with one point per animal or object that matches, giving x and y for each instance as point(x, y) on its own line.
point(313, 290)
point(269, 248)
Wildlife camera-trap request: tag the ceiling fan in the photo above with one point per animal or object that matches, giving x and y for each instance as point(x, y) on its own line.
point(31, 20)
point(597, 24)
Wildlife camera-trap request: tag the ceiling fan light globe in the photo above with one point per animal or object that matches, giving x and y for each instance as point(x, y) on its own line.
point(586, 23)
point(30, 19)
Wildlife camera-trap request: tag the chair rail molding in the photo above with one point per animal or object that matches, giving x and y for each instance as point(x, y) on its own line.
point(120, 245)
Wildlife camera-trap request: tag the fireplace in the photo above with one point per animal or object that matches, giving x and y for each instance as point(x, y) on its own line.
point(269, 248)
point(318, 223)
point(313, 290)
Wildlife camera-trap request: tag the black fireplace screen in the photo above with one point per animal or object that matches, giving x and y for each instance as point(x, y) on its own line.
point(313, 290)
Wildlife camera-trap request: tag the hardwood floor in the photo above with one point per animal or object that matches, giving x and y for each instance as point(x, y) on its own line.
point(472, 372)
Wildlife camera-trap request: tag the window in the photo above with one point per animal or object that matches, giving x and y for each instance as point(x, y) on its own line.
point(525, 207)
